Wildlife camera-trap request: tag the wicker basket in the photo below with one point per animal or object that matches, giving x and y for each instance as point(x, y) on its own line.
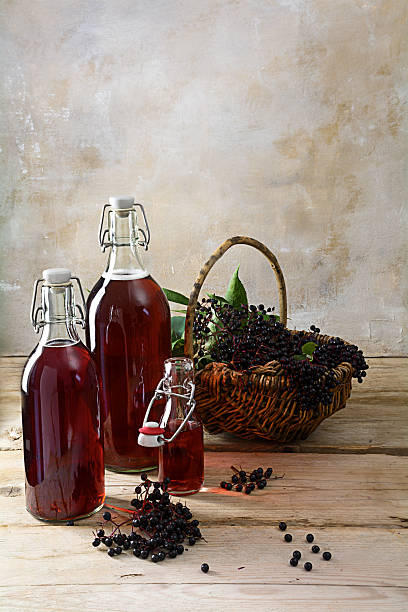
point(269, 409)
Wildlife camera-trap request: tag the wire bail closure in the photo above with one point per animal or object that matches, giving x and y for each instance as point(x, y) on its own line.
point(39, 311)
point(144, 234)
point(151, 429)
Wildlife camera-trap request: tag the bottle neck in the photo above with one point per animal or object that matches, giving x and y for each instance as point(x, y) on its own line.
point(124, 262)
point(59, 316)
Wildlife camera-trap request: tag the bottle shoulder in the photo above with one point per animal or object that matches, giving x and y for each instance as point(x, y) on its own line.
point(112, 291)
point(52, 359)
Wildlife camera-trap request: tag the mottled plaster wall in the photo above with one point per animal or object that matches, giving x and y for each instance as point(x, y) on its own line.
point(279, 119)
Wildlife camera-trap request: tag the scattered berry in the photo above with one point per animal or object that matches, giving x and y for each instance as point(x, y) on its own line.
point(315, 549)
point(100, 533)
point(308, 566)
point(96, 542)
point(296, 554)
point(293, 562)
point(327, 556)
point(107, 516)
point(282, 526)
point(70, 523)
point(310, 538)
point(205, 567)
point(288, 537)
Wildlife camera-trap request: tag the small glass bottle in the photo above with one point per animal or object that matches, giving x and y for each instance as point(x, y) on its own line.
point(179, 435)
point(62, 429)
point(129, 334)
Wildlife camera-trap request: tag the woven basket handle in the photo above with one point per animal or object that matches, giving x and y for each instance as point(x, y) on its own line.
point(188, 334)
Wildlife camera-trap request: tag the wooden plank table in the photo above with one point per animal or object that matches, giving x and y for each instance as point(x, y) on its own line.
point(347, 484)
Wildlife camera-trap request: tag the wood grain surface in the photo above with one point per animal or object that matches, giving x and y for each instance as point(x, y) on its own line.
point(347, 485)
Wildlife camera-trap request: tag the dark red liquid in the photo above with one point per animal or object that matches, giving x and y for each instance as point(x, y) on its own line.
point(62, 432)
point(128, 331)
point(183, 459)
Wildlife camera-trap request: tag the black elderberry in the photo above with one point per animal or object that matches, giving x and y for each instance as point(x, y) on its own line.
point(282, 526)
point(162, 555)
point(326, 556)
point(155, 558)
point(138, 490)
point(108, 542)
point(118, 550)
point(315, 549)
point(107, 516)
point(143, 476)
point(308, 566)
point(239, 488)
point(180, 549)
point(96, 542)
point(205, 567)
point(235, 479)
point(248, 490)
point(310, 538)
point(144, 553)
point(191, 541)
point(172, 554)
point(288, 537)
point(228, 486)
point(100, 533)
point(296, 554)
point(293, 562)
point(136, 552)
point(70, 523)
point(111, 552)
point(242, 474)
point(126, 545)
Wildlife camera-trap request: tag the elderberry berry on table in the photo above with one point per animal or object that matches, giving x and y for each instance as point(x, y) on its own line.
point(288, 537)
point(326, 556)
point(205, 567)
point(310, 538)
point(308, 566)
point(158, 526)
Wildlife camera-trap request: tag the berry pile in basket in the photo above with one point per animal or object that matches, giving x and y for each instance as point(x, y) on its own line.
point(243, 482)
point(251, 336)
point(159, 528)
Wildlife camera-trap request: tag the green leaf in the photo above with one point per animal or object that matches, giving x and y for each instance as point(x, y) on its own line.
point(175, 296)
point(203, 361)
point(177, 328)
point(309, 348)
point(299, 357)
point(236, 294)
point(177, 348)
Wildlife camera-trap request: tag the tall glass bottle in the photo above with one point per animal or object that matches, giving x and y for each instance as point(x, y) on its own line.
point(62, 429)
point(129, 334)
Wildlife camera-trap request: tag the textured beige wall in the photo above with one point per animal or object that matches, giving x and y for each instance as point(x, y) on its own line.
point(279, 119)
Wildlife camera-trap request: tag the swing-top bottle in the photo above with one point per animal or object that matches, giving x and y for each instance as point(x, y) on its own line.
point(62, 429)
point(128, 332)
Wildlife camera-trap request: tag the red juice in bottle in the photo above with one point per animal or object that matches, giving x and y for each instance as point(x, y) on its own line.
point(62, 429)
point(128, 332)
point(183, 459)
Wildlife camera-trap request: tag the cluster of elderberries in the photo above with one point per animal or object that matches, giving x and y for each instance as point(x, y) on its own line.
point(242, 482)
point(250, 336)
point(242, 337)
point(158, 527)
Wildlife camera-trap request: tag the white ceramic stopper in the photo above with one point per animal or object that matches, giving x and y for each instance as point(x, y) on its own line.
point(57, 276)
point(150, 440)
point(120, 202)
